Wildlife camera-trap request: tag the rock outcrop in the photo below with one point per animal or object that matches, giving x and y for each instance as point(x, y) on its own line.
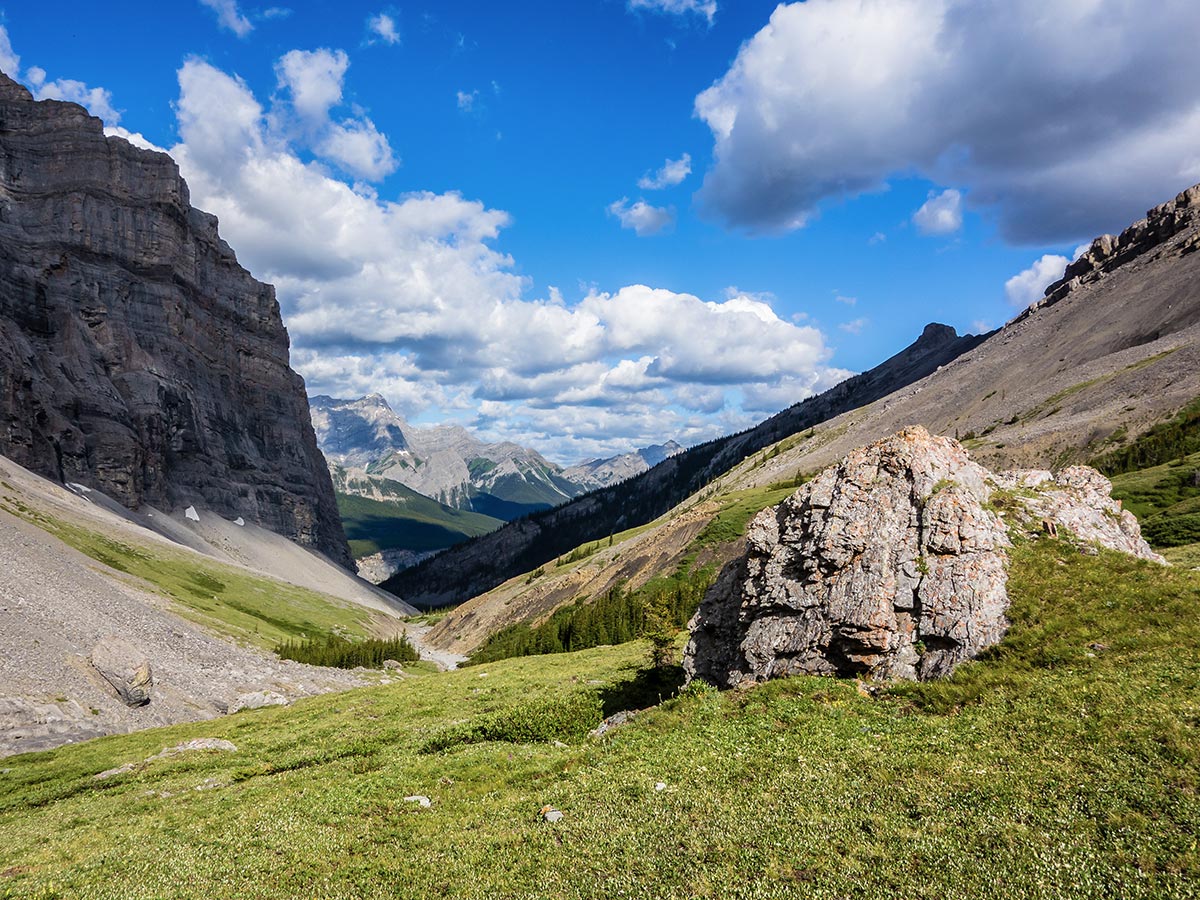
point(889, 564)
point(125, 668)
point(1154, 233)
point(136, 355)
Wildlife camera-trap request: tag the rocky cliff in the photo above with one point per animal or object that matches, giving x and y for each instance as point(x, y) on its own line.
point(890, 564)
point(136, 355)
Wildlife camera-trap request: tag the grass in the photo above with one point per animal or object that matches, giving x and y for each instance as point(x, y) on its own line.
point(228, 600)
point(1064, 765)
point(740, 507)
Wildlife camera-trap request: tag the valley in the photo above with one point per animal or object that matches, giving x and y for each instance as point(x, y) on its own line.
point(436, 540)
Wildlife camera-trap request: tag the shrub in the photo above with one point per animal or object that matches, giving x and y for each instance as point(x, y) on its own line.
point(338, 652)
point(535, 721)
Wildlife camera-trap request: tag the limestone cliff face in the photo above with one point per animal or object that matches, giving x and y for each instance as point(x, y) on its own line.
point(136, 355)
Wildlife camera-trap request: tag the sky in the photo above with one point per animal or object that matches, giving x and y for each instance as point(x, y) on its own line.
point(597, 225)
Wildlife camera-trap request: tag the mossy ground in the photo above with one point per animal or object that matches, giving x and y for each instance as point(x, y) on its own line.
point(1065, 764)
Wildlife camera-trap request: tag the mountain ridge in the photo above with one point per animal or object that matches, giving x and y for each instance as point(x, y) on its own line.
point(472, 568)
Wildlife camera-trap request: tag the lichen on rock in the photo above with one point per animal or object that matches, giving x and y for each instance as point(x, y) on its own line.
point(890, 564)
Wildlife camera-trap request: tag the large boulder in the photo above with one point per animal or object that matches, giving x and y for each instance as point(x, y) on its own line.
point(124, 667)
point(889, 564)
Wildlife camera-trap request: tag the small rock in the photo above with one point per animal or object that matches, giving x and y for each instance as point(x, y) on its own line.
point(190, 513)
point(209, 784)
point(112, 773)
point(660, 785)
point(550, 814)
point(419, 799)
point(392, 664)
point(240, 522)
point(1097, 646)
point(258, 700)
point(193, 746)
point(125, 668)
point(614, 721)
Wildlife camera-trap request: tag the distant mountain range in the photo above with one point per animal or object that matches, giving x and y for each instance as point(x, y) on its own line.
point(376, 456)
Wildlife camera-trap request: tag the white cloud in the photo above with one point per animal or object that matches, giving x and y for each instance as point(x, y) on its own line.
point(849, 301)
point(10, 63)
point(314, 78)
point(314, 81)
point(855, 326)
point(1058, 140)
point(1029, 286)
point(134, 137)
point(97, 101)
point(673, 172)
point(383, 26)
point(229, 16)
point(940, 214)
point(877, 238)
point(409, 297)
point(466, 100)
point(642, 218)
point(705, 8)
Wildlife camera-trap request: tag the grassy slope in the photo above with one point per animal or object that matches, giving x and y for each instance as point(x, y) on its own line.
point(225, 599)
point(1052, 769)
point(411, 522)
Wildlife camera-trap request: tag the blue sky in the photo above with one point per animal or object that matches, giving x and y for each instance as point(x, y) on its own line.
point(462, 208)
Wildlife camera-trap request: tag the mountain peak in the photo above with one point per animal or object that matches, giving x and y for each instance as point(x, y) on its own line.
point(935, 335)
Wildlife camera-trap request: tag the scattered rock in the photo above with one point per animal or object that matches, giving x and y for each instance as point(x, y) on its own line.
point(660, 785)
point(550, 814)
point(111, 773)
point(420, 800)
point(616, 720)
point(258, 700)
point(209, 784)
point(194, 746)
point(889, 564)
point(125, 668)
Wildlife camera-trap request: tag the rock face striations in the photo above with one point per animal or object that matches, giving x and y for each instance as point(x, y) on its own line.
point(136, 355)
point(889, 564)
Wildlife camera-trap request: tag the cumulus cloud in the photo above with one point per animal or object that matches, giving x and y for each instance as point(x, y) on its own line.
point(1057, 139)
point(383, 26)
point(940, 214)
point(673, 172)
point(705, 8)
point(98, 101)
point(642, 218)
point(10, 63)
point(1030, 285)
point(230, 17)
point(410, 297)
point(466, 100)
point(313, 79)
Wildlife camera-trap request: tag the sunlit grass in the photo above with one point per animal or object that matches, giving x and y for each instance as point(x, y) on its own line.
point(1065, 764)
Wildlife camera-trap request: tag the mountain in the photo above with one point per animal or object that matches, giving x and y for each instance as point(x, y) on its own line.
point(1097, 372)
point(450, 465)
point(597, 473)
point(137, 357)
point(475, 567)
point(390, 526)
